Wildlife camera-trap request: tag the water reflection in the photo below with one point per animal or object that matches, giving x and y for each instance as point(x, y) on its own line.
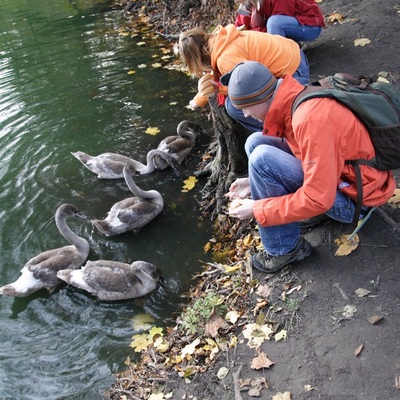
point(64, 86)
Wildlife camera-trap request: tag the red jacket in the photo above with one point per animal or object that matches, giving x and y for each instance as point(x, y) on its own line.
point(306, 12)
point(323, 134)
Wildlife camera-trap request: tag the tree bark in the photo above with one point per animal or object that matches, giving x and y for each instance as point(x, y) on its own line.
point(229, 158)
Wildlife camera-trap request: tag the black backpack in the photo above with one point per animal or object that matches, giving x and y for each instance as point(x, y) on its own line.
point(377, 105)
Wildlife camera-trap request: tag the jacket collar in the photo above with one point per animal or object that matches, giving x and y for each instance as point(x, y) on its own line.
point(279, 116)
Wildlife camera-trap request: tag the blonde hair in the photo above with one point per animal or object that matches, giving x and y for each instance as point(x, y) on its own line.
point(194, 51)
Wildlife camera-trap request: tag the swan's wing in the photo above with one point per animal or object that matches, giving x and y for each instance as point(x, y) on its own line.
point(140, 214)
point(111, 276)
point(44, 266)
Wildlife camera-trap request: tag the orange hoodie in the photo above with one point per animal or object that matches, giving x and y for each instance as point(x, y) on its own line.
point(229, 47)
point(323, 134)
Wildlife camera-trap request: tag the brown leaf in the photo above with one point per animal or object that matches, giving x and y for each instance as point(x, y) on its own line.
point(374, 319)
point(214, 323)
point(261, 361)
point(358, 350)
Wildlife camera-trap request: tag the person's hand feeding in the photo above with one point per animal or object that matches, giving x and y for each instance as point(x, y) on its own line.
point(240, 189)
point(206, 86)
point(241, 206)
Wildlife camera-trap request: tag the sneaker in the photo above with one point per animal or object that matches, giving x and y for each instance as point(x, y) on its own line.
point(264, 262)
point(312, 222)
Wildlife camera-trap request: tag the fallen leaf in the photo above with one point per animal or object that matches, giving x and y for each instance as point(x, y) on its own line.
point(346, 246)
point(254, 392)
point(282, 335)
point(362, 292)
point(156, 65)
point(382, 79)
point(256, 334)
point(358, 350)
point(397, 382)
point(140, 43)
point(141, 66)
point(190, 348)
point(308, 388)
point(335, 17)
point(131, 72)
point(152, 131)
point(222, 372)
point(282, 396)
point(230, 269)
point(213, 324)
point(361, 42)
point(264, 290)
point(349, 310)
point(141, 322)
point(297, 288)
point(232, 316)
point(261, 361)
point(374, 319)
point(140, 342)
point(189, 184)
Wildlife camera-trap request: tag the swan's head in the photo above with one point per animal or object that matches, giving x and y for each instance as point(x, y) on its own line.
point(189, 129)
point(68, 210)
point(130, 170)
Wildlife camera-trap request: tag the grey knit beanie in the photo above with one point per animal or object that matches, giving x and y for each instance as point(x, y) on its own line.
point(249, 83)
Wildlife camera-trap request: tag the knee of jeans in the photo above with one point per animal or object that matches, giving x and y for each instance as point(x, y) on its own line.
point(273, 26)
point(251, 142)
point(264, 153)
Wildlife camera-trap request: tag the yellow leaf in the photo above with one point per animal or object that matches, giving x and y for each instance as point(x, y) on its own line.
point(282, 335)
point(256, 334)
point(222, 372)
point(140, 342)
point(152, 131)
point(154, 331)
point(142, 322)
point(346, 246)
point(189, 184)
point(229, 269)
point(361, 42)
point(232, 316)
point(141, 66)
point(131, 72)
point(161, 344)
point(156, 65)
point(141, 43)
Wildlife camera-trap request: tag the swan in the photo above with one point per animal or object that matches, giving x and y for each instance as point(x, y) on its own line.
point(179, 145)
point(40, 272)
point(110, 165)
point(114, 280)
point(132, 213)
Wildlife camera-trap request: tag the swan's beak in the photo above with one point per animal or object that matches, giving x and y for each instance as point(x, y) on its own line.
point(81, 215)
point(161, 282)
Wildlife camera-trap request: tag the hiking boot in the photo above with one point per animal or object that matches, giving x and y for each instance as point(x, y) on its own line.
point(312, 222)
point(264, 262)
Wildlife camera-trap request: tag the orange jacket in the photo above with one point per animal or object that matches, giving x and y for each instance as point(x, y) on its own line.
point(323, 134)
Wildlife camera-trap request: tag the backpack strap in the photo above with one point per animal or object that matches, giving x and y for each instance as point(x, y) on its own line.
point(315, 91)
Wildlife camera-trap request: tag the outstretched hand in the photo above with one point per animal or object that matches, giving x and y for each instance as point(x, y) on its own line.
point(240, 189)
point(241, 208)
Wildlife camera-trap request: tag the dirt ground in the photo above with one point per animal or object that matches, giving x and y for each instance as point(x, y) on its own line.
point(327, 354)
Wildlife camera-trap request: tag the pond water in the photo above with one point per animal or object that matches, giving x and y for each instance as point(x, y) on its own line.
point(66, 84)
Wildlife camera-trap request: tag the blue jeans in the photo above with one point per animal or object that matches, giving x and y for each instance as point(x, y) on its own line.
point(274, 171)
point(302, 75)
point(289, 27)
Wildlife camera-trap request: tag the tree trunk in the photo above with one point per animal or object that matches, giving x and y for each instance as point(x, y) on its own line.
point(229, 158)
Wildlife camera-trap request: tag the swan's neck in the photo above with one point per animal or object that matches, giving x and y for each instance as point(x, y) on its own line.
point(186, 133)
point(144, 194)
point(81, 244)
